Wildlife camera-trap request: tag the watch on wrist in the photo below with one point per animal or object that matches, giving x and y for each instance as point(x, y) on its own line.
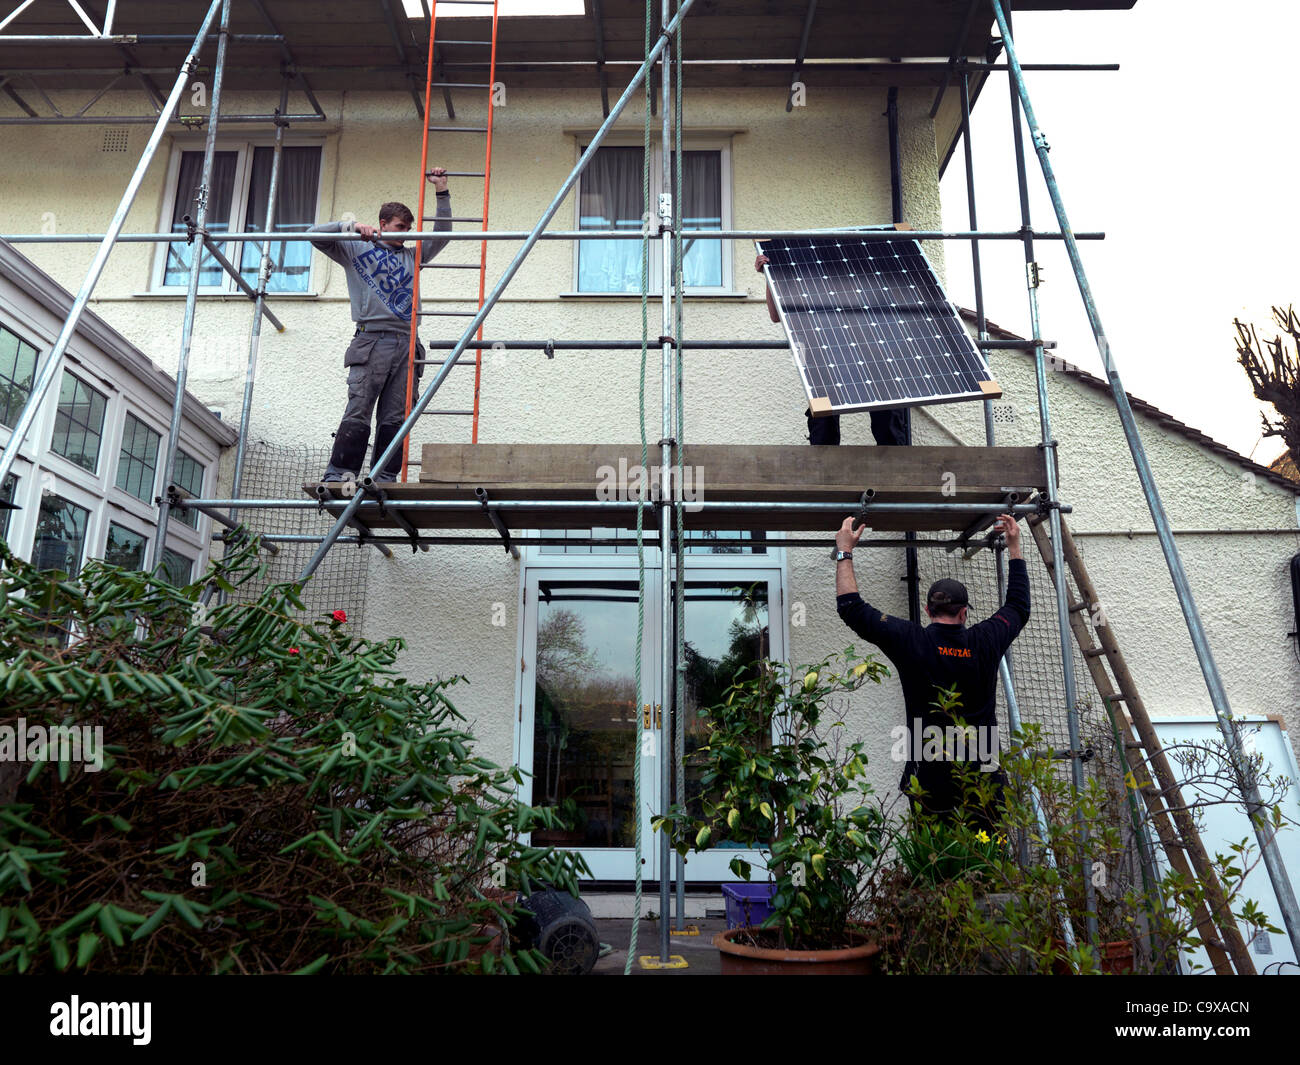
point(842, 556)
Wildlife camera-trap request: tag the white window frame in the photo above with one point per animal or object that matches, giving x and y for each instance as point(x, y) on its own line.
point(690, 142)
point(238, 206)
point(40, 469)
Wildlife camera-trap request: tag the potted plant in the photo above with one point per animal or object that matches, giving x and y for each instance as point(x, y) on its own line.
point(778, 777)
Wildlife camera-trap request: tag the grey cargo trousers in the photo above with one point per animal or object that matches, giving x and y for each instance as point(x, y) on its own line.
point(376, 362)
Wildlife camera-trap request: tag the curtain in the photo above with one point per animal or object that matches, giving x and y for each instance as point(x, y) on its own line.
point(295, 212)
point(220, 196)
point(702, 191)
point(610, 198)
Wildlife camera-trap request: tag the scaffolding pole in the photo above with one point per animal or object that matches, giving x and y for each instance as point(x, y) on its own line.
point(192, 293)
point(1214, 683)
point(263, 277)
point(1048, 446)
point(668, 214)
point(532, 236)
point(1006, 662)
point(530, 240)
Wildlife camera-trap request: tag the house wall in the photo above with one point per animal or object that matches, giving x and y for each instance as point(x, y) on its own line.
point(823, 165)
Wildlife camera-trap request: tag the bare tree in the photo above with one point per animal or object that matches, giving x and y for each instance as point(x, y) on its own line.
point(1274, 372)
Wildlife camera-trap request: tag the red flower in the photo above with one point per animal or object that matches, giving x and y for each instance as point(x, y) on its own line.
point(293, 650)
point(340, 615)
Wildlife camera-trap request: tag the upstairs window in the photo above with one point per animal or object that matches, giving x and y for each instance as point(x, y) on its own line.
point(609, 199)
point(237, 199)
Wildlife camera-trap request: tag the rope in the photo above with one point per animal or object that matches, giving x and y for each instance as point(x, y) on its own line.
point(640, 506)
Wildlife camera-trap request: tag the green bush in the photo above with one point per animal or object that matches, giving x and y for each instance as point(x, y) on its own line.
point(273, 797)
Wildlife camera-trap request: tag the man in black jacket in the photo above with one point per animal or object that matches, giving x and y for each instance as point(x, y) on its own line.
point(943, 655)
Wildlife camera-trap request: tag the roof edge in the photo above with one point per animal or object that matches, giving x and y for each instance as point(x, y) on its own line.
point(1160, 417)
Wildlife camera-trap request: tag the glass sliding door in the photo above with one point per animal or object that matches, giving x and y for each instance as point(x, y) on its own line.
point(581, 726)
point(586, 728)
point(728, 631)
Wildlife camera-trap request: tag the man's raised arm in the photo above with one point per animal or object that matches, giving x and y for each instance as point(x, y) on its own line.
point(442, 220)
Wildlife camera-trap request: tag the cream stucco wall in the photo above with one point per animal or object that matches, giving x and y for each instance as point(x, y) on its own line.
point(823, 165)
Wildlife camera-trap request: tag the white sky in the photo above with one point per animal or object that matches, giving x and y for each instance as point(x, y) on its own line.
point(1186, 158)
point(504, 7)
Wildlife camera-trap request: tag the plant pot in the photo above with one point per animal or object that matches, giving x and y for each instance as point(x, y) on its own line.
point(741, 960)
point(1115, 959)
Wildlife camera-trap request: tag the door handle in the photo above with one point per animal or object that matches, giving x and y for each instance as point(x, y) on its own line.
point(659, 715)
point(645, 716)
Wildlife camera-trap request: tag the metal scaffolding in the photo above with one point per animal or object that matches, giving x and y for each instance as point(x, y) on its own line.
point(660, 51)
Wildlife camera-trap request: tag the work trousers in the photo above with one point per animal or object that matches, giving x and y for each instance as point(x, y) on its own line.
point(376, 363)
point(889, 427)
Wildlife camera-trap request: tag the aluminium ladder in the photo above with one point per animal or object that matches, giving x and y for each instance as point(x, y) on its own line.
point(1145, 759)
point(436, 78)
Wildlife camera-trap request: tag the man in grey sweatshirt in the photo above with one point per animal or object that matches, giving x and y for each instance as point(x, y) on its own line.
point(380, 276)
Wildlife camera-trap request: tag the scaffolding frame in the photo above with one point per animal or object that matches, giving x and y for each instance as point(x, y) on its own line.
point(671, 503)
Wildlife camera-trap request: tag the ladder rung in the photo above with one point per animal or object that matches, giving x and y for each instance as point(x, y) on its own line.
point(457, 129)
point(460, 85)
point(1094, 652)
point(450, 218)
point(1076, 607)
point(440, 41)
point(464, 412)
point(448, 314)
point(450, 266)
point(464, 173)
point(442, 362)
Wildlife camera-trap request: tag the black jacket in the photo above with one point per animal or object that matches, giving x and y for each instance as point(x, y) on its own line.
point(945, 656)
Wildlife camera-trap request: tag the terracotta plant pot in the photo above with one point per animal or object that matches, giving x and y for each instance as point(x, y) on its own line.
point(1116, 958)
point(741, 960)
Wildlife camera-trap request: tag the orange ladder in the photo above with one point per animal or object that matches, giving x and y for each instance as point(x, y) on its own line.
point(432, 72)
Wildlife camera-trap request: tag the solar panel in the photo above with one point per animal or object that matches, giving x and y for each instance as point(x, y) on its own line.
point(870, 325)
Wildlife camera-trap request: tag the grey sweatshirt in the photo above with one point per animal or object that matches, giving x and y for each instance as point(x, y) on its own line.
point(379, 277)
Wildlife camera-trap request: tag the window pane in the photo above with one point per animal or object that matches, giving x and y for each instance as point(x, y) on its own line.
point(124, 548)
point(610, 199)
point(175, 569)
point(295, 211)
point(137, 464)
point(79, 423)
point(7, 496)
point(702, 193)
point(17, 368)
point(60, 535)
point(176, 271)
point(188, 474)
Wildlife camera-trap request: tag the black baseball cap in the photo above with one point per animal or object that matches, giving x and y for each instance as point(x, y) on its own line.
point(947, 596)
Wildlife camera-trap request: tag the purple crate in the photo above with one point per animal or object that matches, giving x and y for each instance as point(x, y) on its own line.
point(748, 904)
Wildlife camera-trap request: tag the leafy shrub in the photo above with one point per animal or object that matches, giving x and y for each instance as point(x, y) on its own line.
point(273, 797)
